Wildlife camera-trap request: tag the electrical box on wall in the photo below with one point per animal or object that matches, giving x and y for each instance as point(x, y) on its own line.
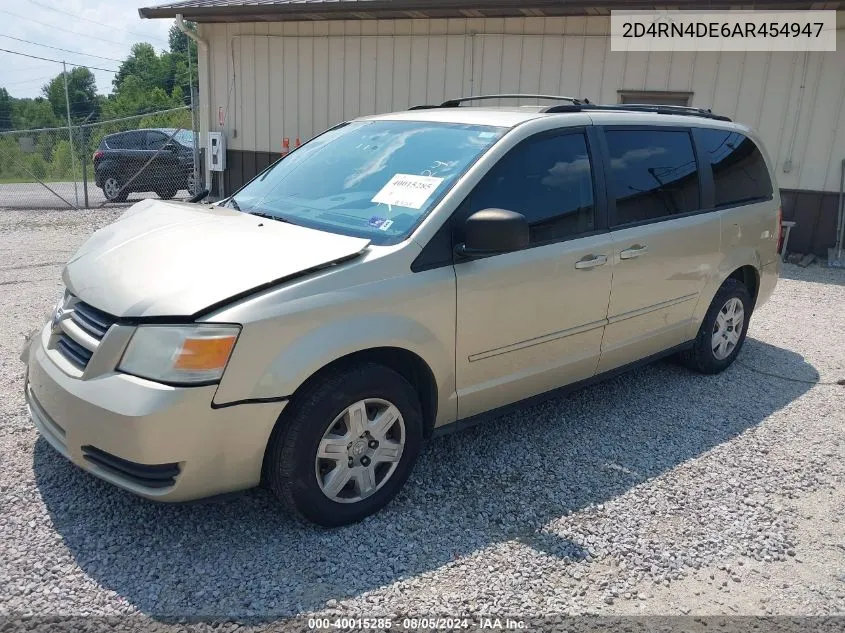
point(216, 151)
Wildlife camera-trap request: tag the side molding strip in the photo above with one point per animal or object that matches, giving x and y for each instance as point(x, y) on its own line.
point(580, 329)
point(658, 306)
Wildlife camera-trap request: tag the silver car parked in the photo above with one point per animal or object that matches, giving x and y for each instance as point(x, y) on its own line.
point(391, 277)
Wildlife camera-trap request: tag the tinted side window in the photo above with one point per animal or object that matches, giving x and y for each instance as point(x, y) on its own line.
point(739, 171)
point(548, 179)
point(134, 140)
point(155, 140)
point(653, 174)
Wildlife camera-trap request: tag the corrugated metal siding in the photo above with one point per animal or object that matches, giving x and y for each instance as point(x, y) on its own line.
point(278, 80)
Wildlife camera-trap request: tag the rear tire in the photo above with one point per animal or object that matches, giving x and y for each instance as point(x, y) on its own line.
point(723, 331)
point(113, 189)
point(317, 422)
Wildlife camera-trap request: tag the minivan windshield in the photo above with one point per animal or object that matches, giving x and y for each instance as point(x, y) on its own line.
point(372, 179)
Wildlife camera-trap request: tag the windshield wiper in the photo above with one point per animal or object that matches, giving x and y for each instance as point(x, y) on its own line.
point(268, 216)
point(231, 202)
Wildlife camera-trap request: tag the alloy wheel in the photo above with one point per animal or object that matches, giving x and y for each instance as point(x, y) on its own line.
point(111, 187)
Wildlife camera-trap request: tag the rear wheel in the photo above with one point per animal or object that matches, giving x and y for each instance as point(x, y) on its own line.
point(723, 330)
point(192, 184)
point(113, 190)
point(344, 448)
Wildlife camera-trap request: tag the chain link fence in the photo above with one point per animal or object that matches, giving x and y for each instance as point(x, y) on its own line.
point(106, 162)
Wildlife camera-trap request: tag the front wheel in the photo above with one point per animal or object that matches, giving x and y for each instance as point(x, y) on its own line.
point(723, 330)
point(165, 194)
point(191, 185)
point(344, 448)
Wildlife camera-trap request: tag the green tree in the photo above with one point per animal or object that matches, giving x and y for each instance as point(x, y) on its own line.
point(145, 65)
point(60, 166)
point(82, 94)
point(179, 42)
point(180, 47)
point(147, 80)
point(33, 113)
point(134, 97)
point(6, 107)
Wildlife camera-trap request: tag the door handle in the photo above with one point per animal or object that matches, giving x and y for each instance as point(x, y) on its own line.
point(591, 261)
point(634, 251)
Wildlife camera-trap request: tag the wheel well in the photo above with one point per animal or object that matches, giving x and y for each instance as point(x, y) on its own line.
point(749, 276)
point(407, 364)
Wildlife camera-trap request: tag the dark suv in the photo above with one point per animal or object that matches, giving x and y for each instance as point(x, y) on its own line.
point(144, 160)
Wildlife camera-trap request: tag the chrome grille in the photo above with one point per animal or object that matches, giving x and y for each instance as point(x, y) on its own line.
point(80, 329)
point(93, 321)
point(73, 351)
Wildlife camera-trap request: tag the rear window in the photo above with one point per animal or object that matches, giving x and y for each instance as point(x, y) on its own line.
point(653, 174)
point(740, 174)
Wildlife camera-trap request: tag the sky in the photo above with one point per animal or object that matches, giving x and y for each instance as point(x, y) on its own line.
point(107, 28)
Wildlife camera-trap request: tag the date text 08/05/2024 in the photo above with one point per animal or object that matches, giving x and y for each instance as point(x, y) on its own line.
point(413, 624)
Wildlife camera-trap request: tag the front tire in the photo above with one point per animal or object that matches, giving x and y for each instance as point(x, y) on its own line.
point(723, 331)
point(345, 446)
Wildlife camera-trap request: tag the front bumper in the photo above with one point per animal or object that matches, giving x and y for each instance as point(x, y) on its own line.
point(161, 442)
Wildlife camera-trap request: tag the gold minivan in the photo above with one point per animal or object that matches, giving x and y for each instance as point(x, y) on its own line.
point(392, 277)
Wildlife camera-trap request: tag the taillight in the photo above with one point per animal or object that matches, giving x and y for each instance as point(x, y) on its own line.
point(780, 229)
point(98, 154)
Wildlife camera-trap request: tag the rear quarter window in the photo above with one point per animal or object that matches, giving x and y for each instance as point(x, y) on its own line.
point(114, 142)
point(740, 174)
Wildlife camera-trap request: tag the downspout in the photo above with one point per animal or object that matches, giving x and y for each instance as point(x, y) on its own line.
point(204, 90)
point(788, 165)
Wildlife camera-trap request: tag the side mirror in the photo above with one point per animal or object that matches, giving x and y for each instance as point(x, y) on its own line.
point(200, 196)
point(493, 231)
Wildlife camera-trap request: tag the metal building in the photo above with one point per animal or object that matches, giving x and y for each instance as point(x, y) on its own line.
point(272, 70)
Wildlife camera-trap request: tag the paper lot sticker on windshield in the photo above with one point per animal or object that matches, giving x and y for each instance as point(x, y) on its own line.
point(406, 190)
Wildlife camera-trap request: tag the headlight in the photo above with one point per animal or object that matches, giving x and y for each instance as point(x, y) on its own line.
point(179, 354)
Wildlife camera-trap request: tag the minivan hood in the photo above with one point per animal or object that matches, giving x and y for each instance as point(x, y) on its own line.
point(176, 259)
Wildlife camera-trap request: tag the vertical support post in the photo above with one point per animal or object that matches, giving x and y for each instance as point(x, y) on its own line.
point(70, 135)
point(194, 130)
point(83, 130)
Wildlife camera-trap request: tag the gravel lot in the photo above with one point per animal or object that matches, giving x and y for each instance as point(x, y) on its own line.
point(31, 195)
point(659, 492)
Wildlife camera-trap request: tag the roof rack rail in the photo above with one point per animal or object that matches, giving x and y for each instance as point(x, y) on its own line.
point(637, 107)
point(454, 103)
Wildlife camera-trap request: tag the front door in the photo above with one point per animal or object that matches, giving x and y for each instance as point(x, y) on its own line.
point(532, 320)
point(664, 247)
